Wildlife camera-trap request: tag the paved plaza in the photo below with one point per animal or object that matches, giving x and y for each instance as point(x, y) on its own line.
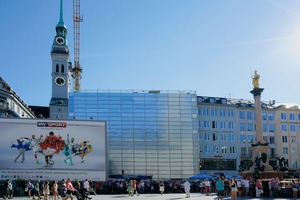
point(176, 196)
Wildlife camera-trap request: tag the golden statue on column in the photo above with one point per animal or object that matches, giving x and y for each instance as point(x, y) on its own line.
point(255, 79)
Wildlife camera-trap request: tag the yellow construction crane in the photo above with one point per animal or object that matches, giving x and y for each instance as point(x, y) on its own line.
point(76, 70)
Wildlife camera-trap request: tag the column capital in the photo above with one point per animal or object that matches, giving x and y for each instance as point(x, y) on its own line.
point(257, 91)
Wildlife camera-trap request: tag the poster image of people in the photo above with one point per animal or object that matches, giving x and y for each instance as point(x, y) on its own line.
point(52, 147)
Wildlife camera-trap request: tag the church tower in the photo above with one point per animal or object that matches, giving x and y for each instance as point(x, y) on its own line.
point(61, 67)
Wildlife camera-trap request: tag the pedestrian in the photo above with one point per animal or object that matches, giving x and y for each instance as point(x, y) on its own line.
point(234, 189)
point(258, 188)
point(63, 189)
point(129, 188)
point(70, 189)
point(220, 188)
point(46, 190)
point(9, 191)
point(187, 188)
point(55, 190)
point(134, 188)
point(161, 187)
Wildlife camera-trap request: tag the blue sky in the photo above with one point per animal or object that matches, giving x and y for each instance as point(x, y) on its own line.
point(210, 46)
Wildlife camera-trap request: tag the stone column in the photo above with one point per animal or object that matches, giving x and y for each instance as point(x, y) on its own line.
point(261, 148)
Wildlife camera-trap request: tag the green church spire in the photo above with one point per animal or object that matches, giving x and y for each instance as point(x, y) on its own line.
point(61, 16)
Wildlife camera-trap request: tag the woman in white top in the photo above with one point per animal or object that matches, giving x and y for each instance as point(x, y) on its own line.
point(234, 189)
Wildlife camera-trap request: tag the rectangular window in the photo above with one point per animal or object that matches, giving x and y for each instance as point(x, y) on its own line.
point(242, 114)
point(243, 152)
point(283, 116)
point(231, 125)
point(249, 115)
point(216, 149)
point(214, 112)
point(271, 116)
point(271, 128)
point(265, 128)
point(223, 125)
point(299, 117)
point(205, 111)
point(222, 112)
point(242, 127)
point(223, 137)
point(264, 116)
point(199, 136)
point(224, 149)
point(292, 116)
point(206, 124)
point(283, 127)
point(231, 150)
point(285, 150)
point(250, 138)
point(207, 149)
point(249, 127)
point(284, 139)
point(230, 113)
point(206, 136)
point(292, 127)
point(272, 140)
point(231, 137)
point(243, 138)
point(293, 139)
point(214, 124)
point(215, 136)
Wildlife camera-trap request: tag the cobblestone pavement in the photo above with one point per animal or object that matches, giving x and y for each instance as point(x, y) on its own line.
point(161, 197)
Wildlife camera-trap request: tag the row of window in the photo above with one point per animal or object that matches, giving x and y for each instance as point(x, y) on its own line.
point(222, 112)
point(207, 124)
point(292, 127)
point(292, 116)
point(223, 137)
point(250, 115)
point(216, 149)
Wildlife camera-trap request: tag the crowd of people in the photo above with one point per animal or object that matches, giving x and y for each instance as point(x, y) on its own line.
point(67, 188)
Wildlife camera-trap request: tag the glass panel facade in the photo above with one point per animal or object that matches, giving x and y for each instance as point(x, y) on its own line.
point(148, 133)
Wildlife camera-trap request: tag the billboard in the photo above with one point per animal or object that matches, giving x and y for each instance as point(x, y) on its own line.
point(52, 149)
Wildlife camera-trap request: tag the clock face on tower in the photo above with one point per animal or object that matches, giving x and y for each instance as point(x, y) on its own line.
point(59, 80)
point(60, 40)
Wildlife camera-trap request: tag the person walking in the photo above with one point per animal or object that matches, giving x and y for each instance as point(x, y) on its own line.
point(220, 188)
point(63, 189)
point(187, 188)
point(70, 189)
point(134, 188)
point(129, 188)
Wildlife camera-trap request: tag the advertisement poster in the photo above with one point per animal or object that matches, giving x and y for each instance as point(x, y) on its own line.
point(52, 149)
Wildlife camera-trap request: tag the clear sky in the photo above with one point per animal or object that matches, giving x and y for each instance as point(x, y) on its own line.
point(210, 46)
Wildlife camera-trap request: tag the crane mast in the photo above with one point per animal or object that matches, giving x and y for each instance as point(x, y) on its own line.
point(76, 70)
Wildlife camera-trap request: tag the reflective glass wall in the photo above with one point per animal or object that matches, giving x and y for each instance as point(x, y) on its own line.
point(149, 132)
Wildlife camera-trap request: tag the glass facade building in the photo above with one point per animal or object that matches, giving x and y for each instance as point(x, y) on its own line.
point(151, 133)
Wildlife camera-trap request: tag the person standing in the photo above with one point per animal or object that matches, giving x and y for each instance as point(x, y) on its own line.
point(187, 188)
point(258, 188)
point(234, 189)
point(55, 190)
point(220, 188)
point(161, 187)
point(86, 185)
point(9, 191)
